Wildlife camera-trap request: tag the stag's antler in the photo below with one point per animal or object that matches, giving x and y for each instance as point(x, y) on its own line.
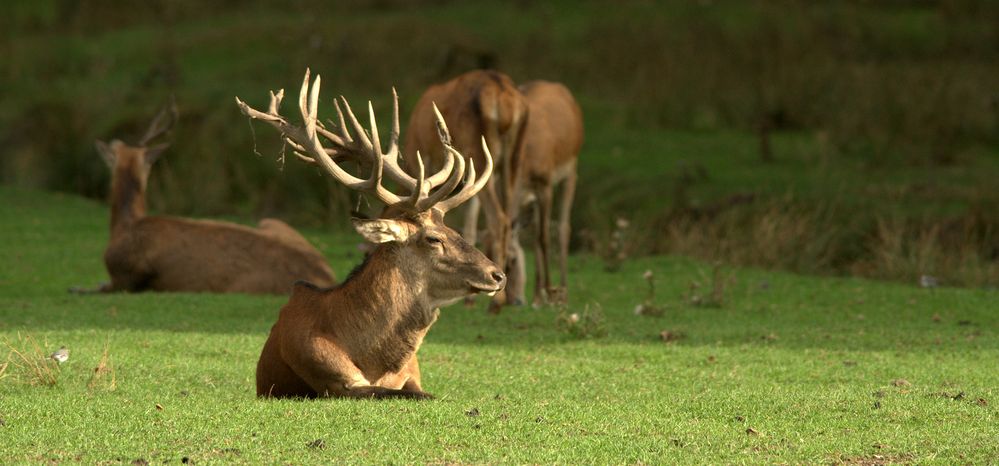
point(161, 123)
point(308, 147)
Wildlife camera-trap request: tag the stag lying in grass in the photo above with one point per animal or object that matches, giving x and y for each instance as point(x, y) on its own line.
point(478, 104)
point(154, 253)
point(360, 338)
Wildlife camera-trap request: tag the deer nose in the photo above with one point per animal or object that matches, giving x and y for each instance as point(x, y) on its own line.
point(499, 277)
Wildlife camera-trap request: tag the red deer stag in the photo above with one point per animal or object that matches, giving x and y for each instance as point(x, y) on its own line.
point(549, 152)
point(178, 254)
point(477, 103)
point(360, 338)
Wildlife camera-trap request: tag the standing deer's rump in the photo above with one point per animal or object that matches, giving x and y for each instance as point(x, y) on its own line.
point(360, 339)
point(478, 103)
point(549, 154)
point(157, 253)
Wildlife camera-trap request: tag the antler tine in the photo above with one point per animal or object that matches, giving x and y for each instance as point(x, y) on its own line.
point(442, 131)
point(307, 146)
point(275, 101)
point(313, 107)
point(472, 185)
point(446, 189)
point(376, 143)
point(392, 155)
point(444, 173)
point(420, 192)
point(343, 125)
point(391, 158)
point(303, 95)
point(162, 122)
point(394, 137)
point(362, 136)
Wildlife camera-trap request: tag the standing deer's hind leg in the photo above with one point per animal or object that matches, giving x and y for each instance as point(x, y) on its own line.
point(498, 224)
point(516, 273)
point(542, 279)
point(470, 231)
point(565, 229)
point(516, 268)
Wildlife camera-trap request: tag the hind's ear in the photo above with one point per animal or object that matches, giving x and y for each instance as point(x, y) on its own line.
point(105, 152)
point(382, 230)
point(154, 152)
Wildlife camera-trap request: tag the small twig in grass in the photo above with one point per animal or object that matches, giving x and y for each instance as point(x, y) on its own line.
point(648, 306)
point(715, 297)
point(104, 368)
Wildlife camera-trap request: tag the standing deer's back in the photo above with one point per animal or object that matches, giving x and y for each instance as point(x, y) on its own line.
point(553, 136)
point(481, 103)
point(478, 103)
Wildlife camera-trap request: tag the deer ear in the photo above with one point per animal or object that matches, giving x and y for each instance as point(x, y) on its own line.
point(154, 152)
point(381, 230)
point(105, 152)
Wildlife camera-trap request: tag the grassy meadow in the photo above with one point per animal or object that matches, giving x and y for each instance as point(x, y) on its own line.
point(755, 367)
point(768, 180)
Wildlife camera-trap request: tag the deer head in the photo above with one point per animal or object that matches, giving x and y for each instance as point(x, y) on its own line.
point(130, 165)
point(139, 159)
point(410, 232)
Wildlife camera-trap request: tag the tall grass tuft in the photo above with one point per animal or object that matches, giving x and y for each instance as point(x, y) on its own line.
point(104, 376)
point(34, 366)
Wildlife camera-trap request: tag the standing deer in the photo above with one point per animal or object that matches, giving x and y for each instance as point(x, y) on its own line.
point(477, 103)
point(178, 254)
point(549, 152)
point(360, 338)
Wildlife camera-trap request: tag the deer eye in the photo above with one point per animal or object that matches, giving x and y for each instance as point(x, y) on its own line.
point(434, 240)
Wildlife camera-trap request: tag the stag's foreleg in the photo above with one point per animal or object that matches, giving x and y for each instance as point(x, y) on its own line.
point(330, 372)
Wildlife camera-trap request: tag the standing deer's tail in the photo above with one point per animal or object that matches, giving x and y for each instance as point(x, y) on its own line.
point(503, 113)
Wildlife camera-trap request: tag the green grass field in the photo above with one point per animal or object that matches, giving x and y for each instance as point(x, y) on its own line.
point(788, 370)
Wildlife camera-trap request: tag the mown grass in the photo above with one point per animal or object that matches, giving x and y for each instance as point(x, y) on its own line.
point(788, 369)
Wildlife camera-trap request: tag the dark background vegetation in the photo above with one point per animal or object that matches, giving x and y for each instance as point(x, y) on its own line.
point(824, 137)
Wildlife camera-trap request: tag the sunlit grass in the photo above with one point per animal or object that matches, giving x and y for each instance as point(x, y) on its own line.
point(787, 369)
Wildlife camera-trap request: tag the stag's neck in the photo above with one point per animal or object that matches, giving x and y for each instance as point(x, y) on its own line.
point(128, 200)
point(387, 305)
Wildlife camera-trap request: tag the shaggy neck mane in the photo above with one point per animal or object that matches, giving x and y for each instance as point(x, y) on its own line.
point(385, 304)
point(128, 199)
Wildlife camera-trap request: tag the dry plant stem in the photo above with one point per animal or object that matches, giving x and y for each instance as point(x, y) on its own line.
point(104, 367)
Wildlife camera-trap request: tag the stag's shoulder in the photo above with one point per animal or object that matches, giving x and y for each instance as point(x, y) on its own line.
point(304, 292)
